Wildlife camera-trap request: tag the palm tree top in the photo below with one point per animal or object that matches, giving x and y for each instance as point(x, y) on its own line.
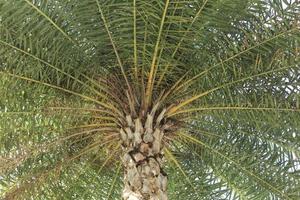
point(218, 79)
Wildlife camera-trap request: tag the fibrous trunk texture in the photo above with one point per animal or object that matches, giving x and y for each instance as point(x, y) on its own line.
point(144, 178)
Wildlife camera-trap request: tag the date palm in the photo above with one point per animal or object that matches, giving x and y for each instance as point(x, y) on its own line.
point(188, 99)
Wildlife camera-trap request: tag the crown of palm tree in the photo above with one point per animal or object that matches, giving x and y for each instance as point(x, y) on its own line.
point(219, 79)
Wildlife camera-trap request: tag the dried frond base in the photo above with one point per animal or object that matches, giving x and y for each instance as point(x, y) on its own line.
point(143, 158)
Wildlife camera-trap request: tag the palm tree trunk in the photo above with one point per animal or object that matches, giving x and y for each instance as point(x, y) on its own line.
point(144, 178)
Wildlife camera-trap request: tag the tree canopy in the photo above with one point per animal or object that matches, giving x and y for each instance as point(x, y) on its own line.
point(226, 71)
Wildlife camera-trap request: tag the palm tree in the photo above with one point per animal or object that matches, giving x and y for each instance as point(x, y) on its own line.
point(189, 99)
